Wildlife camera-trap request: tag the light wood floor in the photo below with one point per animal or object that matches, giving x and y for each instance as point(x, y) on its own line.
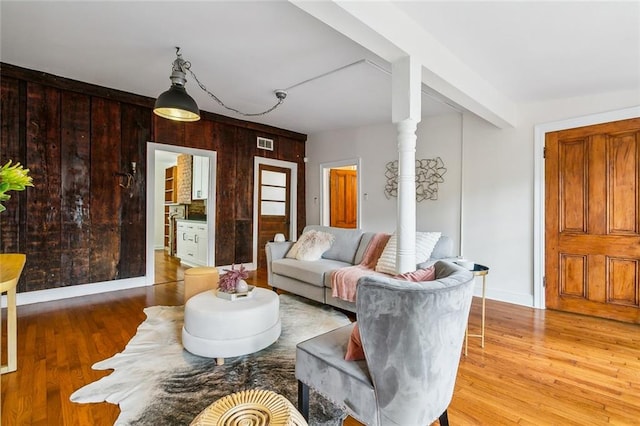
point(537, 368)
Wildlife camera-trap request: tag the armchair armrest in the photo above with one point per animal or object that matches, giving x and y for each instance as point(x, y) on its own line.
point(275, 251)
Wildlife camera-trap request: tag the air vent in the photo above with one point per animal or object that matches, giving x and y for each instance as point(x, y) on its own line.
point(264, 143)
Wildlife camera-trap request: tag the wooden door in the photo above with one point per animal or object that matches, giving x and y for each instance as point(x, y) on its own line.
point(343, 199)
point(273, 206)
point(592, 258)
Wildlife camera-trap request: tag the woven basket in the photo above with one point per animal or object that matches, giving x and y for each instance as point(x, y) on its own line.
point(254, 407)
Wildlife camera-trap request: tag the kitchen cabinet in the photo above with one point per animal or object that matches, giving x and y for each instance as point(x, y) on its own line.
point(192, 238)
point(200, 182)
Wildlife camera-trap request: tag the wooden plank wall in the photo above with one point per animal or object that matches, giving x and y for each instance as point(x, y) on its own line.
point(76, 194)
point(43, 204)
point(78, 225)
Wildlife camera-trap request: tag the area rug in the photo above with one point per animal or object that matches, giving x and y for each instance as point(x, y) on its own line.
point(156, 382)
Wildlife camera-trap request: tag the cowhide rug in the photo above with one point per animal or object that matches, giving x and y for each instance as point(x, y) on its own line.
point(156, 382)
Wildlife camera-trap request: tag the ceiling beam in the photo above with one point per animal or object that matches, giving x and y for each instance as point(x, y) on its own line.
point(388, 32)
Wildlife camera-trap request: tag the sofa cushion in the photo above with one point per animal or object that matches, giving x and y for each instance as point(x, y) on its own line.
point(344, 246)
point(310, 272)
point(443, 248)
point(362, 247)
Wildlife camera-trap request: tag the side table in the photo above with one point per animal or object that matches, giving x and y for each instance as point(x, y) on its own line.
point(477, 271)
point(250, 407)
point(10, 269)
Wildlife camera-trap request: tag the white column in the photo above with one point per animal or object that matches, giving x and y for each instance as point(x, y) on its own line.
point(406, 215)
point(406, 111)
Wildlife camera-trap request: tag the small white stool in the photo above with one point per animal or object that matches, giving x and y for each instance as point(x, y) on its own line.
point(219, 328)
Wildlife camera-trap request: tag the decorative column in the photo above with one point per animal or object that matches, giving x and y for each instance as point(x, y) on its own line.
point(406, 114)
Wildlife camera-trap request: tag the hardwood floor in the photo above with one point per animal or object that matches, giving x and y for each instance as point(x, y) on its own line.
point(537, 367)
point(167, 268)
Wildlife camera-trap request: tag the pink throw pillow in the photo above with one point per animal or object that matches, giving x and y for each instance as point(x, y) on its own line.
point(355, 351)
point(426, 274)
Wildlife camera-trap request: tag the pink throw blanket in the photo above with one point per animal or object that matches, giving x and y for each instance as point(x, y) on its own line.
point(344, 280)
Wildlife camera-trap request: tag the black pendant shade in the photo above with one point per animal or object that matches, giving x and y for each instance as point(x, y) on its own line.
point(176, 104)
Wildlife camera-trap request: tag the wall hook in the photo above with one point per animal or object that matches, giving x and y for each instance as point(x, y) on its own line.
point(129, 176)
point(125, 183)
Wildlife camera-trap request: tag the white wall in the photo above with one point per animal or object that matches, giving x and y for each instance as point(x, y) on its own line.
point(498, 186)
point(376, 146)
point(498, 206)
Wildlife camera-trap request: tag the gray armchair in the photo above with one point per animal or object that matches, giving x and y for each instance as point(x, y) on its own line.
point(412, 335)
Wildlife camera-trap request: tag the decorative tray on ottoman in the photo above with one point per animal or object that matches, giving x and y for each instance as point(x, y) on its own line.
point(235, 296)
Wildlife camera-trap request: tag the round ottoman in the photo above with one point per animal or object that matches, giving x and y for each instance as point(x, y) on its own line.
point(220, 328)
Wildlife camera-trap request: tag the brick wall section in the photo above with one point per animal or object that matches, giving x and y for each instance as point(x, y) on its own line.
point(184, 179)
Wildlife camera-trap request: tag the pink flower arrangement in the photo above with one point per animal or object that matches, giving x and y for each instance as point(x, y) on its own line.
point(229, 280)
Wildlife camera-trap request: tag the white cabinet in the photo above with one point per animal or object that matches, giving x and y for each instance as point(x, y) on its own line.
point(192, 242)
point(200, 239)
point(200, 181)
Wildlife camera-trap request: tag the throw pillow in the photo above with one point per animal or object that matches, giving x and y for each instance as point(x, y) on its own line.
point(424, 274)
point(425, 242)
point(355, 352)
point(293, 251)
point(387, 260)
point(311, 245)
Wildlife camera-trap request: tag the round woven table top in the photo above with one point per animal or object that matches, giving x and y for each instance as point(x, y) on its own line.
point(255, 407)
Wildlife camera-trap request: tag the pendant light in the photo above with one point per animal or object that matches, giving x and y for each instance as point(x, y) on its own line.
point(176, 104)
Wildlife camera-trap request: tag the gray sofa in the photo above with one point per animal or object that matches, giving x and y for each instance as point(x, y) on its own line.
point(312, 279)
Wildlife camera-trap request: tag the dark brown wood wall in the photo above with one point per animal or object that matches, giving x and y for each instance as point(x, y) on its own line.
point(78, 225)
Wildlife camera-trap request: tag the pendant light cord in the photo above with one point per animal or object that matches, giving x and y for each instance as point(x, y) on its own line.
point(280, 94)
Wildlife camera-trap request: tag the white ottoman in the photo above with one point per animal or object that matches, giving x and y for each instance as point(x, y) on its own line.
point(219, 328)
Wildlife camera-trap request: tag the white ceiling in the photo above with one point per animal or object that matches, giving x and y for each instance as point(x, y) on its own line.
point(242, 51)
point(536, 51)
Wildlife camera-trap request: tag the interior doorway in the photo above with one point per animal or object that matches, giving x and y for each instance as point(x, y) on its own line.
point(343, 197)
point(540, 132)
point(157, 155)
point(340, 194)
point(274, 212)
point(275, 197)
point(593, 220)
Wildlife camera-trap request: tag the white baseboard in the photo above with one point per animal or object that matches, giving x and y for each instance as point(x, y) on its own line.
point(59, 293)
point(247, 266)
point(504, 296)
point(48, 295)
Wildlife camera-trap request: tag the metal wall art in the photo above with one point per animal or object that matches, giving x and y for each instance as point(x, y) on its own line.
point(429, 173)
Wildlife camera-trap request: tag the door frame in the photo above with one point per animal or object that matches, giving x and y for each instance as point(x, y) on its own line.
point(540, 131)
point(152, 147)
point(325, 188)
point(293, 196)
